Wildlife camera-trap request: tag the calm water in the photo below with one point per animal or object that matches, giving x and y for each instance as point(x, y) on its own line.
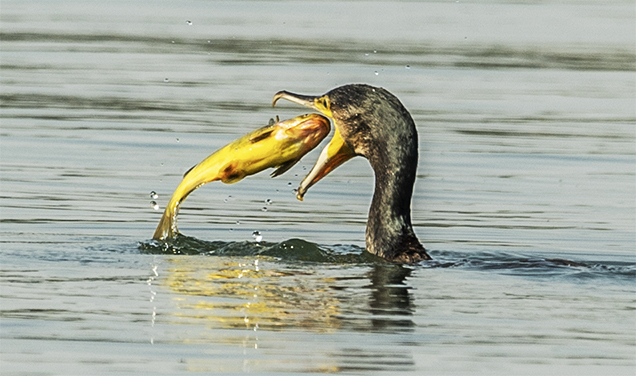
point(525, 195)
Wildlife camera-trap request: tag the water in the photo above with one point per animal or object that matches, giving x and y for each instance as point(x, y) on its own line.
point(525, 193)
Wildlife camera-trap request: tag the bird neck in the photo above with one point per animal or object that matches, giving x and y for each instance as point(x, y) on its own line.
point(389, 231)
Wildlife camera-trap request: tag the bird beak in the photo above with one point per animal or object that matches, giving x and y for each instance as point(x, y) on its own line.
point(333, 155)
point(320, 104)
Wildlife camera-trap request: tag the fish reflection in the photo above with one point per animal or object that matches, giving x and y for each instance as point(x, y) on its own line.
point(235, 294)
point(264, 294)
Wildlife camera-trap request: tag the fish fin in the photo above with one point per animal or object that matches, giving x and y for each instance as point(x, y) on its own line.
point(186, 173)
point(274, 121)
point(284, 167)
point(261, 136)
point(232, 179)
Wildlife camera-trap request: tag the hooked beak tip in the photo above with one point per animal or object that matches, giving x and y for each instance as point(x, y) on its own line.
point(277, 96)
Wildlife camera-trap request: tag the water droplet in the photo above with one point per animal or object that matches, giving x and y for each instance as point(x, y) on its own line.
point(154, 195)
point(264, 208)
point(376, 73)
point(209, 41)
point(154, 205)
point(189, 22)
point(375, 51)
point(177, 139)
point(289, 184)
point(268, 201)
point(408, 67)
point(257, 236)
point(166, 79)
point(366, 54)
point(238, 222)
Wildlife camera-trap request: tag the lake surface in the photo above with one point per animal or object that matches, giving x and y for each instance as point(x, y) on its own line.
point(526, 190)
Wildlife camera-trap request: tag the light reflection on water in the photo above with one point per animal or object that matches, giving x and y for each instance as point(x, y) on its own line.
point(372, 303)
point(525, 191)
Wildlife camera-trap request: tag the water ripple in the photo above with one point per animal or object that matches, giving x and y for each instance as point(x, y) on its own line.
point(236, 51)
point(299, 250)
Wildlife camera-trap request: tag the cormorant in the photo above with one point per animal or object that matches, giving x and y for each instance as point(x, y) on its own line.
point(371, 122)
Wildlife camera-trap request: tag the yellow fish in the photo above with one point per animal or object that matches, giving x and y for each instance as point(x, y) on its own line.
point(280, 144)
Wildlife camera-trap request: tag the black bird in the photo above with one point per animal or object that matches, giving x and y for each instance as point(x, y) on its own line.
point(371, 122)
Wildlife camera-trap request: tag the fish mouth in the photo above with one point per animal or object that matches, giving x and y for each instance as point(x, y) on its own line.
point(308, 129)
point(296, 137)
point(334, 154)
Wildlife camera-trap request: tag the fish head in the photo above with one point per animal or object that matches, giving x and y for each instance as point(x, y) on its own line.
point(303, 132)
point(285, 142)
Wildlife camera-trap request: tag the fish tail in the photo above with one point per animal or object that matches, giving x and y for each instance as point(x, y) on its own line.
point(167, 227)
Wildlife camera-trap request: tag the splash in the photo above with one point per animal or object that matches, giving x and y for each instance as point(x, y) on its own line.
point(288, 250)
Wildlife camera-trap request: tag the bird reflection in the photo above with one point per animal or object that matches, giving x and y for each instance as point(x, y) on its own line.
point(390, 297)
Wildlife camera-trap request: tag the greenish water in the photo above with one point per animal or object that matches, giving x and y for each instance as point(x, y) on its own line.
point(525, 194)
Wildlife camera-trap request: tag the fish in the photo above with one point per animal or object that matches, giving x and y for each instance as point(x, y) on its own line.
point(279, 145)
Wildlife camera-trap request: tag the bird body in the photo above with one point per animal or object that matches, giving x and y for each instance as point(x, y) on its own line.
point(372, 123)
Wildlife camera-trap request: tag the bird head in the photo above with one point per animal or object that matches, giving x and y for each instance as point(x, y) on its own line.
point(364, 118)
